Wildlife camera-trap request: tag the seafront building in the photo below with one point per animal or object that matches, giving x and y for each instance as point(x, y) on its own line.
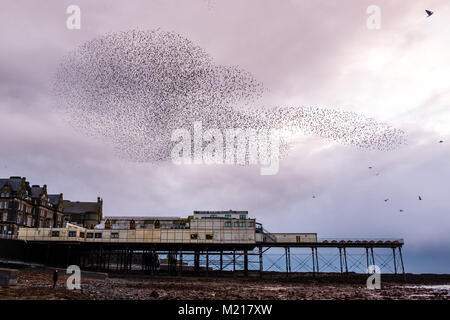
point(30, 206)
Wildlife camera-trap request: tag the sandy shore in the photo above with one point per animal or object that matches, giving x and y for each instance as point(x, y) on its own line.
point(37, 285)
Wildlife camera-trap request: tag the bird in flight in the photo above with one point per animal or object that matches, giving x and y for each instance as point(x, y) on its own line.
point(441, 141)
point(429, 13)
point(420, 198)
point(401, 210)
point(386, 200)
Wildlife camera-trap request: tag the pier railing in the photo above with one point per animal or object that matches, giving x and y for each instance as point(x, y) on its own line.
point(361, 240)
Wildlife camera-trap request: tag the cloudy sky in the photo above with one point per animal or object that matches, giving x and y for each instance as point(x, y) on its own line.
point(307, 53)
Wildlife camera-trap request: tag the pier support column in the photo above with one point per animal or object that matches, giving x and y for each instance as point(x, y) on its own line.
point(260, 261)
point(287, 251)
point(401, 260)
point(313, 263)
point(69, 248)
point(345, 261)
point(207, 262)
point(367, 260)
point(245, 262)
point(317, 261)
point(153, 261)
point(180, 268)
point(47, 257)
point(109, 258)
point(340, 258)
point(373, 256)
point(196, 262)
point(286, 259)
point(221, 260)
point(395, 260)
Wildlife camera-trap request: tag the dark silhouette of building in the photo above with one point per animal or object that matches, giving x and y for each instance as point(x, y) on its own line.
point(86, 214)
point(22, 205)
point(47, 207)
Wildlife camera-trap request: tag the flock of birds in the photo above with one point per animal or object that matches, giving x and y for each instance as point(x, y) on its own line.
point(135, 87)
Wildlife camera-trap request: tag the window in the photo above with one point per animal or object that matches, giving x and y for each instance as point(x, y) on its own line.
point(236, 224)
point(98, 235)
point(209, 237)
point(55, 233)
point(72, 234)
point(194, 236)
point(81, 234)
point(242, 216)
point(115, 235)
point(242, 224)
point(250, 224)
point(90, 235)
point(227, 224)
point(228, 216)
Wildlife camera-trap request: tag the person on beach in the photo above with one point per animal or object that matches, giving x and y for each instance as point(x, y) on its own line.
point(55, 278)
